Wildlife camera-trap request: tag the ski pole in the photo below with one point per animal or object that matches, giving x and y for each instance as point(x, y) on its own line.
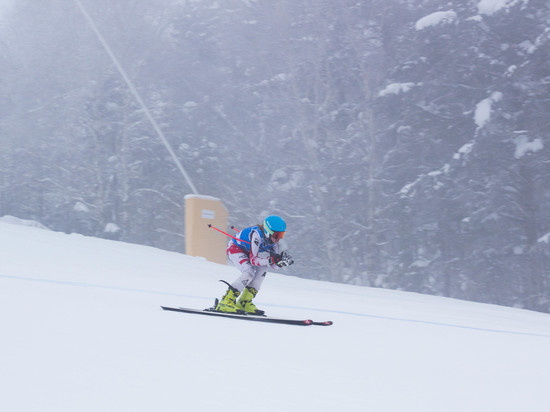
point(227, 234)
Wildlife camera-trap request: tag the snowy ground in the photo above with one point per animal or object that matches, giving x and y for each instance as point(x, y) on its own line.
point(82, 330)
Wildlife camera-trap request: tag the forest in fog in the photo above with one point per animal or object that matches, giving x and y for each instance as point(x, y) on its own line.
point(405, 142)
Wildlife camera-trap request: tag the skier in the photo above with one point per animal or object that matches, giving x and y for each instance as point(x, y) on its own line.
point(244, 251)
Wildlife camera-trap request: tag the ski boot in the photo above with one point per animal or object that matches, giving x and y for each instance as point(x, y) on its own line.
point(245, 302)
point(228, 303)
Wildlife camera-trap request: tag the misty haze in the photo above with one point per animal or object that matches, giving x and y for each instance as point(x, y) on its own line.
point(405, 143)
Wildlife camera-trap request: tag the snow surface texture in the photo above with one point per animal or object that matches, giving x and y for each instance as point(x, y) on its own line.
point(82, 330)
point(484, 7)
point(434, 19)
point(524, 146)
point(396, 88)
point(490, 7)
point(482, 114)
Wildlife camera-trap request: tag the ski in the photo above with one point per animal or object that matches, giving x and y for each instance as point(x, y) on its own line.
point(322, 323)
point(253, 318)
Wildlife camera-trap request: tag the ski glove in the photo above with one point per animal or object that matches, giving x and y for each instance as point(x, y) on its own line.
point(282, 260)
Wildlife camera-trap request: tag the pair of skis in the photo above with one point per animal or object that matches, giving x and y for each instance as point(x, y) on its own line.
point(253, 318)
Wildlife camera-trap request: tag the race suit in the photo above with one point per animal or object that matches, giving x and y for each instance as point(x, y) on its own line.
point(244, 251)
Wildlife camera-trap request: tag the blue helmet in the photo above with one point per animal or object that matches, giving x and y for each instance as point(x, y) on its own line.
point(274, 228)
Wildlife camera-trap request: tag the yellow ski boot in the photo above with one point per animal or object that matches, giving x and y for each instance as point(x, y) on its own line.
point(245, 302)
point(228, 303)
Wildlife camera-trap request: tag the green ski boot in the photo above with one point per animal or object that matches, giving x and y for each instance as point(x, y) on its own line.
point(228, 303)
point(245, 302)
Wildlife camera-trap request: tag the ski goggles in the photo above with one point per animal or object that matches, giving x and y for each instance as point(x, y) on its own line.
point(274, 235)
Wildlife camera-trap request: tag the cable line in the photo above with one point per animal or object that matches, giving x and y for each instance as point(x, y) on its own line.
point(136, 95)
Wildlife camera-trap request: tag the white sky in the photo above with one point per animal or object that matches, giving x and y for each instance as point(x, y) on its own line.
point(4, 5)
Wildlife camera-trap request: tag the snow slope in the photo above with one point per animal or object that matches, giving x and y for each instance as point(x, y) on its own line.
point(82, 330)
